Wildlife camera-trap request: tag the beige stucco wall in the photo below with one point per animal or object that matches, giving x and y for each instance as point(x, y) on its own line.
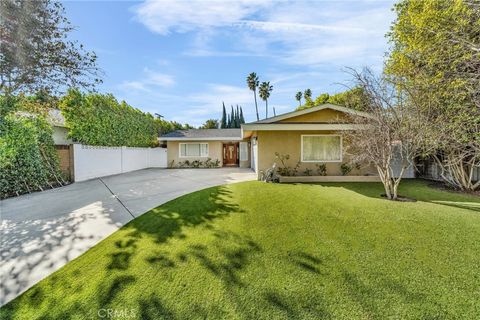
point(289, 142)
point(322, 116)
point(215, 151)
point(173, 154)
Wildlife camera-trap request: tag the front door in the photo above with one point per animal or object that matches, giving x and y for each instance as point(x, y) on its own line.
point(230, 154)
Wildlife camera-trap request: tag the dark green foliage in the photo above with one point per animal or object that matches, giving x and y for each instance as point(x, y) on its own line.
point(321, 169)
point(28, 161)
point(223, 122)
point(209, 163)
point(345, 168)
point(242, 119)
point(99, 119)
point(235, 119)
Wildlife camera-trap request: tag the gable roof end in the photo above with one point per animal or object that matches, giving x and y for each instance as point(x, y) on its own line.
point(310, 110)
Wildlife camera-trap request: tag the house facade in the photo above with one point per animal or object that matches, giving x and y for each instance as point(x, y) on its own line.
point(310, 137)
point(223, 145)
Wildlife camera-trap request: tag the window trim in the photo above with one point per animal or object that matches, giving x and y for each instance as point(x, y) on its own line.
point(321, 135)
point(200, 156)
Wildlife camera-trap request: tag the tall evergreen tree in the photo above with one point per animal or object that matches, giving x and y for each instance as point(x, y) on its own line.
point(238, 117)
point(242, 119)
point(223, 122)
point(229, 122)
point(232, 117)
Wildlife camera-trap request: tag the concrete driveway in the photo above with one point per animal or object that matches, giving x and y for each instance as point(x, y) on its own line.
point(41, 232)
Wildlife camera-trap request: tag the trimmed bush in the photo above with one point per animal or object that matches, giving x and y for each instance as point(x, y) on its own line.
point(99, 119)
point(28, 160)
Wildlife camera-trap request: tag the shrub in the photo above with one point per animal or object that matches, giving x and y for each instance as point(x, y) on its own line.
point(28, 160)
point(308, 172)
point(321, 169)
point(198, 164)
point(99, 119)
point(345, 168)
point(285, 169)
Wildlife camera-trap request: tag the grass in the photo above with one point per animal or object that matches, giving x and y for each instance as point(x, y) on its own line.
point(264, 251)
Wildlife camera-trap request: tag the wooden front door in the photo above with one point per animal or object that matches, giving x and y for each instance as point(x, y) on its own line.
point(230, 154)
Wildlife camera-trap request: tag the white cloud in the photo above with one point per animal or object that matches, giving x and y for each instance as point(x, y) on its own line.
point(181, 16)
point(307, 33)
point(150, 80)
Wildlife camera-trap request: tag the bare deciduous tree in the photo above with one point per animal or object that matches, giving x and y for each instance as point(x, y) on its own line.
point(388, 132)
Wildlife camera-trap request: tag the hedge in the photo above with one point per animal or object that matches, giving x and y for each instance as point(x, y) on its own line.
point(28, 160)
point(99, 119)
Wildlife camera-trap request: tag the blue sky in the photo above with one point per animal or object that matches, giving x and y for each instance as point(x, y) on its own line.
point(183, 58)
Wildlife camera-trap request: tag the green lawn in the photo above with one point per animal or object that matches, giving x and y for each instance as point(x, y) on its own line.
point(265, 251)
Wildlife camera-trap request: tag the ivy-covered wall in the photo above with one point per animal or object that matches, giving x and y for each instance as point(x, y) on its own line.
point(99, 119)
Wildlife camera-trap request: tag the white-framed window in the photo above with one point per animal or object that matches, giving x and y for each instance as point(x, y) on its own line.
point(188, 150)
point(321, 148)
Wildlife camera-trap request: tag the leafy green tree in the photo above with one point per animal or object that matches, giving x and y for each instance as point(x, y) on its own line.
point(264, 92)
point(321, 99)
point(252, 82)
point(35, 50)
point(298, 97)
point(210, 124)
point(352, 98)
point(223, 122)
point(435, 57)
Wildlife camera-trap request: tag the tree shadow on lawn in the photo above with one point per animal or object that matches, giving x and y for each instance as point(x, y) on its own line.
point(416, 189)
point(163, 223)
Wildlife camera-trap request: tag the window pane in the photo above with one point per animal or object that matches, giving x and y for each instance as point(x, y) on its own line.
point(183, 150)
point(321, 148)
point(194, 150)
point(204, 149)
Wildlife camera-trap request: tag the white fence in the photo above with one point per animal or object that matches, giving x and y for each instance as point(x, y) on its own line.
point(97, 161)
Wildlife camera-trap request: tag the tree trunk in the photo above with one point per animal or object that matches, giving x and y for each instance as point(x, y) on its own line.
point(256, 106)
point(266, 109)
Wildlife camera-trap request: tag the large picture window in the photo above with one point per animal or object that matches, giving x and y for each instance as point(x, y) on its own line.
point(193, 150)
point(321, 148)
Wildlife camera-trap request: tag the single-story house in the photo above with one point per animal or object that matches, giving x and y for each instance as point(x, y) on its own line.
point(225, 145)
point(310, 137)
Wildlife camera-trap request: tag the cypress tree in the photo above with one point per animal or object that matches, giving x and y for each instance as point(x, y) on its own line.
point(242, 119)
point(229, 122)
point(223, 122)
point(232, 117)
point(237, 116)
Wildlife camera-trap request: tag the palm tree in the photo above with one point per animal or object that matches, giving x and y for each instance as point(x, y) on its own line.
point(298, 96)
point(264, 93)
point(308, 94)
point(252, 82)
